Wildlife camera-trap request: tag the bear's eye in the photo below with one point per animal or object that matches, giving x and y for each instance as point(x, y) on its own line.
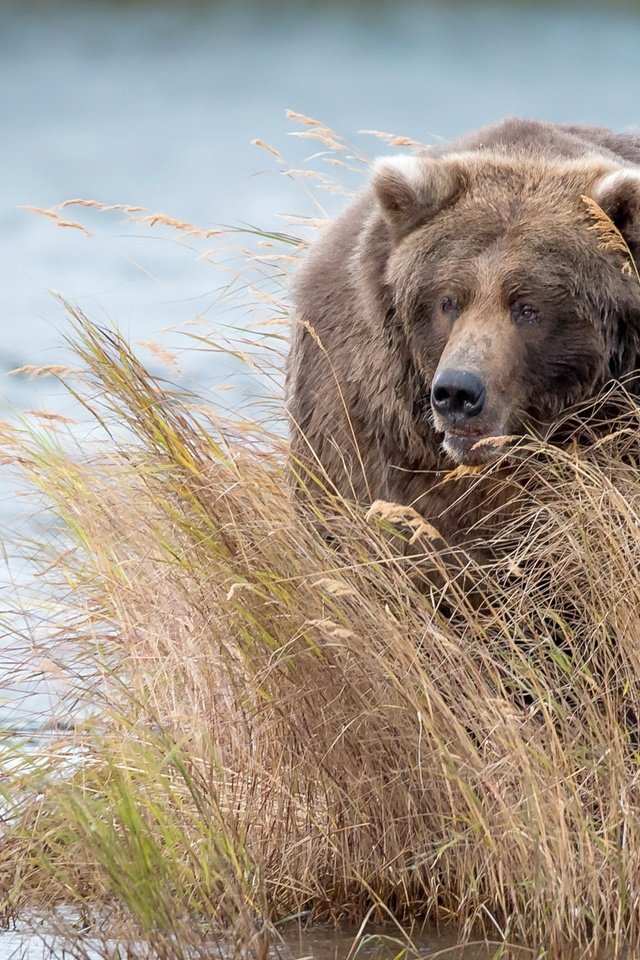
point(449, 306)
point(524, 313)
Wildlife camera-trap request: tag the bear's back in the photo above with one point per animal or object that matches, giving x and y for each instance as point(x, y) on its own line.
point(516, 136)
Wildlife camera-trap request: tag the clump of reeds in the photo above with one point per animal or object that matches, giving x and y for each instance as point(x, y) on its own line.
point(316, 712)
point(287, 725)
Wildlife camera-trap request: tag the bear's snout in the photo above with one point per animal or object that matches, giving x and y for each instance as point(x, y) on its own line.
point(458, 394)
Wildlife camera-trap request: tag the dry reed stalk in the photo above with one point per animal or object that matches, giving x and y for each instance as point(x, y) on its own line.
point(611, 238)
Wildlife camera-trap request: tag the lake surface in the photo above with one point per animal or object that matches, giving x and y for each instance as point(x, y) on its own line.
point(156, 105)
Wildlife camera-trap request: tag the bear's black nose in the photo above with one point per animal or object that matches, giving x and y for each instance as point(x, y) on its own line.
point(458, 392)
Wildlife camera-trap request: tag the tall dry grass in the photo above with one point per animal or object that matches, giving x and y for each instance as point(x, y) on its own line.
point(286, 726)
point(305, 713)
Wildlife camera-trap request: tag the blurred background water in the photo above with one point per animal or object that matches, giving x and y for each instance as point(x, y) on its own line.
point(155, 104)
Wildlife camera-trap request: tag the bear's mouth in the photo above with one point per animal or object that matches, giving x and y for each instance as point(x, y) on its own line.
point(468, 433)
point(471, 447)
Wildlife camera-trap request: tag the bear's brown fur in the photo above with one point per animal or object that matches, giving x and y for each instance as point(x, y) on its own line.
point(463, 295)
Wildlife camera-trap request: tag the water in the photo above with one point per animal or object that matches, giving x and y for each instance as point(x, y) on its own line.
point(37, 942)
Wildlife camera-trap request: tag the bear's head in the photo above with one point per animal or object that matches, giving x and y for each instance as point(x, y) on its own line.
point(515, 301)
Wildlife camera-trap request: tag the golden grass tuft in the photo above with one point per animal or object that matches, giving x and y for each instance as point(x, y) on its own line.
point(285, 726)
point(610, 237)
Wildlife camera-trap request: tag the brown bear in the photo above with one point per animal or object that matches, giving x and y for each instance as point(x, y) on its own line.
point(464, 295)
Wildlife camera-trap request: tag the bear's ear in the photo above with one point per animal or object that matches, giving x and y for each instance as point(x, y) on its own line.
point(412, 189)
point(618, 194)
